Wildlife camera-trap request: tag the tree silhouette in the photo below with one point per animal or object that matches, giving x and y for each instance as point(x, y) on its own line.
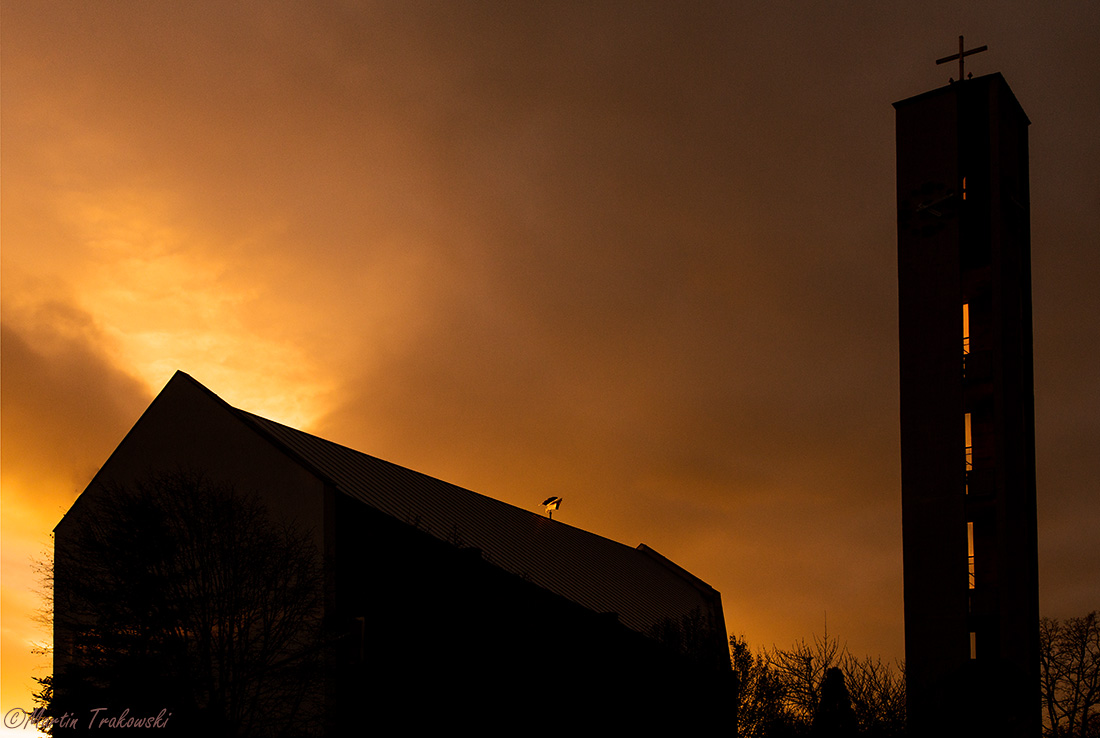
point(783, 690)
point(762, 707)
point(1069, 661)
point(180, 594)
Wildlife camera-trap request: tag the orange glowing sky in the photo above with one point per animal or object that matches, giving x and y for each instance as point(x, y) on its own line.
point(641, 256)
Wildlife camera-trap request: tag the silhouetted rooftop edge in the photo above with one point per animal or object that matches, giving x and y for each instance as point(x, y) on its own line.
point(972, 83)
point(638, 584)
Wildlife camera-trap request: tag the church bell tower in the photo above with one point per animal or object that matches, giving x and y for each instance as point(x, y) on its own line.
point(967, 410)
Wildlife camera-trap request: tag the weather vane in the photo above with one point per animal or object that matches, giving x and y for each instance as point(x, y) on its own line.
point(960, 56)
point(551, 504)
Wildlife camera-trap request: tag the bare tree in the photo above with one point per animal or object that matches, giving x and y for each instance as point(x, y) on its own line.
point(802, 669)
point(182, 594)
point(878, 695)
point(762, 704)
point(782, 689)
point(1069, 662)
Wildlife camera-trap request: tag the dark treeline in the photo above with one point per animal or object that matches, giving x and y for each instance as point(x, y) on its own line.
point(818, 688)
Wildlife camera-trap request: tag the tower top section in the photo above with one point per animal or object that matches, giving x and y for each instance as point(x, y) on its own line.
point(989, 85)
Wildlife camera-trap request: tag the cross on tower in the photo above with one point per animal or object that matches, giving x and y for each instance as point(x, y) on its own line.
point(960, 56)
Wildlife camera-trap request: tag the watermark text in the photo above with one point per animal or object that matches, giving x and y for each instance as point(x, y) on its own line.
point(98, 717)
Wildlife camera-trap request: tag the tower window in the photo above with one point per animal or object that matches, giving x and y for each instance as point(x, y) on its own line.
point(970, 551)
point(968, 451)
point(973, 645)
point(966, 328)
point(966, 334)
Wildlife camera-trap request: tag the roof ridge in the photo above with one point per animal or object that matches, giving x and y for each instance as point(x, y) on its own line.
point(677, 569)
point(258, 423)
point(595, 571)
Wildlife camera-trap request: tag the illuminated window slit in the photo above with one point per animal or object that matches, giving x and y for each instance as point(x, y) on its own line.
point(968, 452)
point(970, 551)
point(966, 328)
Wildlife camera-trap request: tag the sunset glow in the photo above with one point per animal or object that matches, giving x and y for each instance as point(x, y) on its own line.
point(582, 251)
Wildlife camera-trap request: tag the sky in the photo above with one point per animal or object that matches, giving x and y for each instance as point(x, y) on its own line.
point(638, 255)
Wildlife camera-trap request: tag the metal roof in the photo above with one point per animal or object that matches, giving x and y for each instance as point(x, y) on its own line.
point(638, 584)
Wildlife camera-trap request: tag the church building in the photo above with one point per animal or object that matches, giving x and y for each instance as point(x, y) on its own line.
point(440, 607)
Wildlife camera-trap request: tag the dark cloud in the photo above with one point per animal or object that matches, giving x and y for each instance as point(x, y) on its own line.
point(641, 256)
point(65, 405)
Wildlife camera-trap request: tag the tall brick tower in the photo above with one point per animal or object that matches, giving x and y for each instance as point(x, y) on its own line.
point(967, 411)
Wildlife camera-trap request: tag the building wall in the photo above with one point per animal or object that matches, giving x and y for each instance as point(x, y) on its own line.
point(932, 419)
point(967, 419)
point(419, 629)
point(435, 634)
point(187, 429)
